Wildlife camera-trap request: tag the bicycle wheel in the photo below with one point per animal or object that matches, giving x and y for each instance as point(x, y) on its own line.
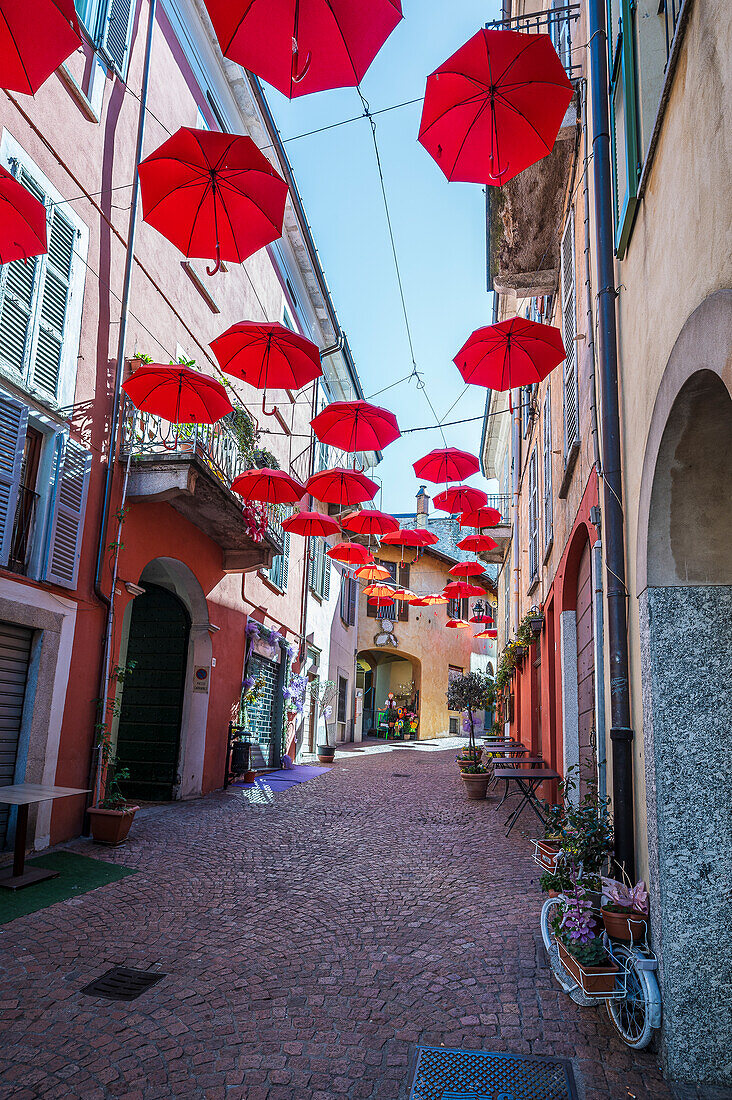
point(639, 1012)
point(547, 911)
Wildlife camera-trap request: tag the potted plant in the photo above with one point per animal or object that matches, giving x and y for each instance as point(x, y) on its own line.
point(470, 692)
point(112, 817)
point(323, 694)
point(625, 910)
point(580, 943)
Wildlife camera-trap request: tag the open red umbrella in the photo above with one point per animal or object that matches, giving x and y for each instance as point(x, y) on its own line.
point(486, 634)
point(341, 486)
point(212, 195)
point(495, 106)
point(457, 624)
point(268, 487)
point(306, 45)
point(268, 356)
point(485, 619)
point(350, 553)
point(459, 590)
point(22, 221)
point(431, 600)
point(356, 426)
point(372, 572)
point(34, 40)
point(466, 569)
point(370, 521)
point(310, 523)
point(379, 589)
point(480, 517)
point(404, 595)
point(460, 498)
point(512, 353)
point(177, 393)
point(475, 543)
point(446, 464)
point(410, 536)
point(381, 601)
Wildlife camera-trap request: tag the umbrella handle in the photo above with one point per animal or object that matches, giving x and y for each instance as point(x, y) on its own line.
point(498, 174)
point(298, 76)
point(213, 270)
point(265, 410)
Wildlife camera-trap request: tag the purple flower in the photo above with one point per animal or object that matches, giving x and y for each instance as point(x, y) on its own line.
point(252, 628)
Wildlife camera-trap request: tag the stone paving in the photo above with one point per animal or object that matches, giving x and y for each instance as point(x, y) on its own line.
point(309, 942)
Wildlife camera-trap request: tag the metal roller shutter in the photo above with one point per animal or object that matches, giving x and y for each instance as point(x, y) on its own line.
point(15, 647)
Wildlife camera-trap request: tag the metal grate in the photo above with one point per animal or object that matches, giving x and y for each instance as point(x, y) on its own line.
point(481, 1075)
point(122, 983)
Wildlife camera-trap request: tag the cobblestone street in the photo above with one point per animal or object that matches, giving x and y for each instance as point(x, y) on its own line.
point(309, 943)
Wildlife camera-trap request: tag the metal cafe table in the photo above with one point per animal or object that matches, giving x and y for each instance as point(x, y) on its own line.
point(527, 780)
point(24, 795)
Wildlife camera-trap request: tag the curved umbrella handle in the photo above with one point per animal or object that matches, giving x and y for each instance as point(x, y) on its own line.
point(298, 76)
point(265, 410)
point(213, 270)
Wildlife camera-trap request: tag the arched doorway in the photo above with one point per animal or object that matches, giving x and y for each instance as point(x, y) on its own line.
point(379, 672)
point(148, 733)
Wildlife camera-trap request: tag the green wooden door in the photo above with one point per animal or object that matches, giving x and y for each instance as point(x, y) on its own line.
point(148, 738)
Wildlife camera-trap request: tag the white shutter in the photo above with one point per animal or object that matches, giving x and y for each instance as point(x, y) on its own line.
point(569, 331)
point(115, 36)
point(13, 424)
point(19, 286)
point(547, 469)
point(533, 518)
point(54, 295)
point(68, 516)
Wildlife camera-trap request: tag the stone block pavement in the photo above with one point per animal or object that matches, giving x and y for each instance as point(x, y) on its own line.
point(310, 941)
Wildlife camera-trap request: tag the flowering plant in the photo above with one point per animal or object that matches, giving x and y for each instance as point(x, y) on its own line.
point(576, 928)
point(252, 628)
point(251, 689)
point(626, 898)
point(256, 519)
point(294, 694)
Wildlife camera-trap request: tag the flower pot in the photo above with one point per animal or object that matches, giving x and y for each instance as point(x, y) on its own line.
point(111, 826)
point(630, 925)
point(590, 979)
point(476, 786)
point(325, 753)
point(547, 852)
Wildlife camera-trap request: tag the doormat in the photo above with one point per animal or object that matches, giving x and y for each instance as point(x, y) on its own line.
point(441, 1074)
point(76, 875)
point(282, 780)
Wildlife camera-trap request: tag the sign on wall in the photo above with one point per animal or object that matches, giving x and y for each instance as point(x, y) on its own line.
point(200, 678)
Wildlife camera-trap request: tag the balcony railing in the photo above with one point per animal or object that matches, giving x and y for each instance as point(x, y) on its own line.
point(671, 11)
point(558, 24)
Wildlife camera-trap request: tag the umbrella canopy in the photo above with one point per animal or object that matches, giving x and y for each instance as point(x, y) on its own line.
point(379, 589)
point(475, 543)
point(480, 517)
point(381, 601)
point(410, 536)
point(350, 553)
point(513, 353)
point(404, 595)
point(459, 498)
point(485, 619)
point(457, 624)
point(268, 356)
point(34, 41)
point(486, 634)
point(431, 600)
point(446, 464)
point(310, 523)
point(495, 106)
point(268, 487)
point(372, 572)
point(370, 521)
point(460, 589)
point(212, 195)
point(304, 47)
point(467, 569)
point(341, 486)
point(356, 426)
point(178, 394)
point(22, 221)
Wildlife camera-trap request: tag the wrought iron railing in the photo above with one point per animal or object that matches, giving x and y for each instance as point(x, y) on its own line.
point(558, 24)
point(25, 518)
point(671, 12)
point(502, 502)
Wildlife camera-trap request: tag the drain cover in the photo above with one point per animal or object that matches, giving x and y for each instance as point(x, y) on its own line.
point(122, 983)
point(480, 1075)
point(401, 775)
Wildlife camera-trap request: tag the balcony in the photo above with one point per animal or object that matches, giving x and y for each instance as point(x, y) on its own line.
point(524, 218)
point(191, 467)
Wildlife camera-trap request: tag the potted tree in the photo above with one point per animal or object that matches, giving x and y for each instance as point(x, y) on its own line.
point(323, 694)
point(112, 817)
point(470, 692)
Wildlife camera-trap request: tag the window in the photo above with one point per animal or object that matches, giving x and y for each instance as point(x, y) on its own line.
point(342, 700)
point(403, 571)
point(373, 612)
point(349, 596)
point(322, 454)
point(109, 24)
point(506, 601)
point(625, 153)
point(533, 518)
point(569, 309)
point(458, 609)
point(40, 301)
point(547, 470)
point(278, 570)
point(319, 578)
point(454, 672)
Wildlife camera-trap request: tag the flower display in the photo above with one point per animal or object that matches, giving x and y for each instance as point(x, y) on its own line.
point(257, 520)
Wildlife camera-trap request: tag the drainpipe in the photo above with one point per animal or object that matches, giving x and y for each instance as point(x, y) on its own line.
point(599, 657)
point(588, 290)
point(621, 733)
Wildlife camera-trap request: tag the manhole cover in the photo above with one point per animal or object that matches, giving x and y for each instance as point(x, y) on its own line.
point(122, 983)
point(481, 1075)
point(401, 775)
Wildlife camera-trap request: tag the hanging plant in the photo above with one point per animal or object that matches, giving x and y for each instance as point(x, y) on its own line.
point(256, 519)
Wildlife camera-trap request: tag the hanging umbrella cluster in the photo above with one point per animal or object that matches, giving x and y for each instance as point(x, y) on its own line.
point(431, 600)
point(34, 41)
point(416, 537)
point(22, 221)
point(459, 590)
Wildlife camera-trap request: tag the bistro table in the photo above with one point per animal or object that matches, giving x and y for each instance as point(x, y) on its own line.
point(24, 795)
point(527, 780)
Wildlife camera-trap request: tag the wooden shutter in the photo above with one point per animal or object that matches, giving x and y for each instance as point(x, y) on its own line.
point(115, 36)
point(569, 310)
point(20, 280)
point(53, 303)
point(403, 583)
point(13, 425)
point(67, 525)
point(352, 599)
point(326, 574)
point(624, 138)
point(533, 517)
point(285, 562)
point(547, 471)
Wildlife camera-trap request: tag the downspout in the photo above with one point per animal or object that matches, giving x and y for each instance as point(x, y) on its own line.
point(621, 733)
point(114, 426)
point(599, 648)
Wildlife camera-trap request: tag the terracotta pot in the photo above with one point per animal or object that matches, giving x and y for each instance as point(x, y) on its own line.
point(591, 979)
point(111, 826)
point(325, 753)
point(625, 926)
point(476, 786)
point(553, 893)
point(546, 853)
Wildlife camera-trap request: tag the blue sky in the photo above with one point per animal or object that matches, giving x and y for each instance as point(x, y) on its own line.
point(439, 229)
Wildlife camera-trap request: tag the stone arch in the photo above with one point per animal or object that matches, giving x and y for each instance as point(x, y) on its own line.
point(381, 659)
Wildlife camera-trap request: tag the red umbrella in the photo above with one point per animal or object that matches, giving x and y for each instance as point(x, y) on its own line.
point(310, 523)
point(467, 569)
point(268, 356)
point(404, 595)
point(513, 353)
point(431, 601)
point(22, 221)
point(495, 106)
point(381, 601)
point(480, 619)
point(34, 41)
point(370, 521)
point(480, 517)
point(446, 464)
point(460, 498)
point(268, 487)
point(356, 426)
point(486, 634)
point(457, 624)
point(341, 486)
point(379, 590)
point(304, 46)
point(351, 553)
point(212, 195)
point(410, 536)
point(459, 590)
point(475, 543)
point(372, 572)
point(177, 393)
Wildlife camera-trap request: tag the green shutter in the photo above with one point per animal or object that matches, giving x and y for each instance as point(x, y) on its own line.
point(67, 526)
point(625, 149)
point(54, 296)
point(326, 574)
point(13, 424)
point(285, 560)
